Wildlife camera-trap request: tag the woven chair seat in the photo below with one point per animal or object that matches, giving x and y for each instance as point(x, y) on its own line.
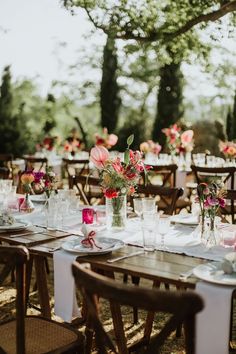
point(42, 336)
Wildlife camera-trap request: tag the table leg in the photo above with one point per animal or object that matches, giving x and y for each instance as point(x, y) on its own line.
point(41, 279)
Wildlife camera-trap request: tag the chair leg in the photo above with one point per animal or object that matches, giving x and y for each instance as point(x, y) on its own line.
point(135, 281)
point(150, 317)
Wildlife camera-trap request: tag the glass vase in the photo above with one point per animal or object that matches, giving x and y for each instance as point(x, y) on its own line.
point(116, 213)
point(27, 205)
point(213, 236)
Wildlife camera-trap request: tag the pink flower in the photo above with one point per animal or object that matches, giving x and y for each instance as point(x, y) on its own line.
point(187, 137)
point(222, 202)
point(99, 155)
point(112, 139)
point(111, 193)
point(212, 201)
point(117, 165)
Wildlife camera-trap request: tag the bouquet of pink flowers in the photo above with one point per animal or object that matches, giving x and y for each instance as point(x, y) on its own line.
point(228, 148)
point(44, 182)
point(105, 139)
point(118, 177)
point(150, 146)
point(177, 140)
point(73, 145)
point(48, 143)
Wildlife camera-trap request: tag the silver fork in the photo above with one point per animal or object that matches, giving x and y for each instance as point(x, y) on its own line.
point(186, 275)
point(124, 257)
point(51, 250)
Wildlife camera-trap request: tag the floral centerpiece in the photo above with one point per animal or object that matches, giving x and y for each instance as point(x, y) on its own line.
point(228, 148)
point(178, 141)
point(105, 139)
point(45, 182)
point(150, 146)
point(73, 145)
point(27, 178)
point(118, 178)
point(48, 144)
point(210, 198)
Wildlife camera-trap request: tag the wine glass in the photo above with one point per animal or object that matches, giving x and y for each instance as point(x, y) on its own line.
point(149, 205)
point(163, 228)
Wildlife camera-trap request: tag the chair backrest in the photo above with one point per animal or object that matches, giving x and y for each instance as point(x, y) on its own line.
point(182, 306)
point(6, 166)
point(166, 175)
point(35, 163)
point(212, 174)
point(168, 196)
point(18, 256)
point(89, 189)
point(75, 167)
point(229, 209)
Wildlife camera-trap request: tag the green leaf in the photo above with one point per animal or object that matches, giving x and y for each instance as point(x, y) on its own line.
point(130, 139)
point(126, 157)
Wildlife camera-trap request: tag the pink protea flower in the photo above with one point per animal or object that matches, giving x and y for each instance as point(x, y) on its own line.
point(187, 137)
point(99, 155)
point(117, 165)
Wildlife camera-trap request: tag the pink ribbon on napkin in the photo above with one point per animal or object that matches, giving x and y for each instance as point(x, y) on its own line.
point(89, 241)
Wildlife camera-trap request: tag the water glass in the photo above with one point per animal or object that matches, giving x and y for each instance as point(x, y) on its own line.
point(149, 230)
point(138, 206)
point(149, 205)
point(52, 213)
point(228, 238)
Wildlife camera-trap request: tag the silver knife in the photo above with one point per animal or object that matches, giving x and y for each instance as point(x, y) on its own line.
point(186, 275)
point(124, 257)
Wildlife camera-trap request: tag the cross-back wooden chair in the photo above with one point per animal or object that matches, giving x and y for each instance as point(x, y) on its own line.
point(33, 334)
point(75, 167)
point(6, 167)
point(230, 207)
point(166, 174)
point(168, 196)
point(35, 163)
point(181, 306)
point(214, 174)
point(89, 189)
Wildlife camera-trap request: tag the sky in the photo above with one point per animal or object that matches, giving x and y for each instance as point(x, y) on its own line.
point(30, 31)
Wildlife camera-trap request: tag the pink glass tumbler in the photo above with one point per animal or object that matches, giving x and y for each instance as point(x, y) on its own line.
point(87, 216)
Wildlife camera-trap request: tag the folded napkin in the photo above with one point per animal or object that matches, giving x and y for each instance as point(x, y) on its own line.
point(213, 323)
point(64, 286)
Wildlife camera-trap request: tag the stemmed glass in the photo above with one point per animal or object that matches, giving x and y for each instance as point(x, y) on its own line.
point(163, 228)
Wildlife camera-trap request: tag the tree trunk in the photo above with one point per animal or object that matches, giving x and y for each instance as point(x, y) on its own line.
point(169, 100)
point(110, 99)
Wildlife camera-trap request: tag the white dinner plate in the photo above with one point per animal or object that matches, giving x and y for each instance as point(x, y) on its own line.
point(18, 225)
point(107, 244)
point(185, 219)
point(213, 274)
point(38, 198)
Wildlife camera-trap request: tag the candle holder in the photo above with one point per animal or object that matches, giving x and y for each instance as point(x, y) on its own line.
point(87, 216)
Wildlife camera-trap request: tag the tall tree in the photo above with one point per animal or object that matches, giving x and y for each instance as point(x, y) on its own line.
point(229, 125)
point(169, 100)
point(234, 118)
point(109, 96)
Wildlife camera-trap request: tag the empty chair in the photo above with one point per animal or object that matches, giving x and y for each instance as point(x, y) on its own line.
point(32, 334)
point(214, 174)
point(164, 176)
point(6, 166)
point(89, 189)
point(75, 167)
point(168, 197)
point(181, 306)
point(230, 207)
point(35, 163)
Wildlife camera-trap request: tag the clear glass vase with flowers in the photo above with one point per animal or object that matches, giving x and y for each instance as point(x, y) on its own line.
point(210, 198)
point(118, 179)
point(27, 178)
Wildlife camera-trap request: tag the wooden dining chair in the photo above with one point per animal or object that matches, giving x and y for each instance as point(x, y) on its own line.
point(35, 163)
point(6, 166)
point(214, 174)
point(33, 334)
point(163, 175)
point(230, 207)
point(89, 189)
point(75, 167)
point(181, 306)
point(168, 197)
